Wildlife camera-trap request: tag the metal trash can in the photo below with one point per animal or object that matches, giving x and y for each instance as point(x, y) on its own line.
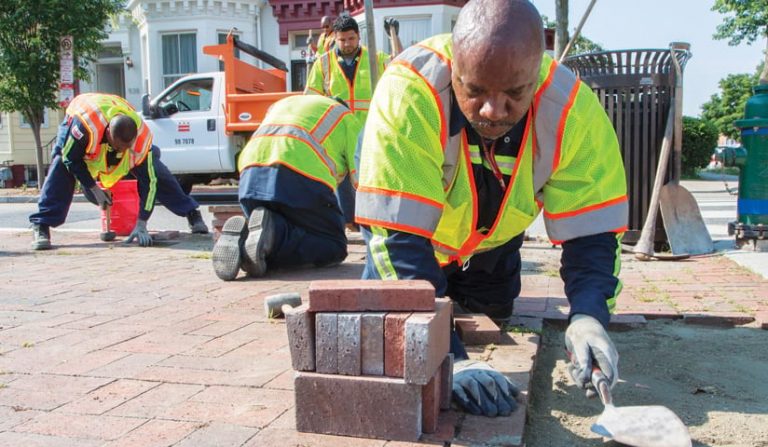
point(636, 88)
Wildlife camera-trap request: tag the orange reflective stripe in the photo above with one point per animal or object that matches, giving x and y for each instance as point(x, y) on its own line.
point(561, 125)
point(443, 118)
point(586, 209)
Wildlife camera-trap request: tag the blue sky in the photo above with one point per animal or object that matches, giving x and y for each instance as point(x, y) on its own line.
point(628, 24)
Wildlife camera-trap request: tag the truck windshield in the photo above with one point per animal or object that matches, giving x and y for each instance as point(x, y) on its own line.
point(193, 95)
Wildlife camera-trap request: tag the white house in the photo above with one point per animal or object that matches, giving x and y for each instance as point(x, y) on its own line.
point(157, 41)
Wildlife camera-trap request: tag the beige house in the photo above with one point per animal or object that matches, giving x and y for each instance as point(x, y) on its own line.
point(17, 144)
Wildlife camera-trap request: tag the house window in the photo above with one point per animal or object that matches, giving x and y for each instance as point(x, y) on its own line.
point(300, 41)
point(223, 39)
point(24, 124)
point(412, 31)
point(179, 56)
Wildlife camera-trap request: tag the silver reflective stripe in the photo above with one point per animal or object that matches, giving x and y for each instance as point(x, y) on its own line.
point(548, 115)
point(591, 222)
point(271, 130)
point(361, 105)
point(328, 121)
point(397, 209)
point(85, 116)
point(445, 250)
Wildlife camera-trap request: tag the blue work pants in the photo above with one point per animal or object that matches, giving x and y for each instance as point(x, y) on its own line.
point(308, 223)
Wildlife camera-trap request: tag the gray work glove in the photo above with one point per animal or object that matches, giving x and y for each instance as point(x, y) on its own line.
point(586, 340)
point(480, 389)
point(140, 234)
point(102, 198)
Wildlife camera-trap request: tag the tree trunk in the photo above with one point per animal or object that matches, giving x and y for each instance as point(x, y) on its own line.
point(764, 74)
point(561, 30)
point(35, 122)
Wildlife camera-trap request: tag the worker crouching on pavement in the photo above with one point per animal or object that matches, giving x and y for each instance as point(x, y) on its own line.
point(289, 171)
point(469, 136)
point(103, 138)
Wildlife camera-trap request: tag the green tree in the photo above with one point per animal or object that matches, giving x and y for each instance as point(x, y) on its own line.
point(699, 139)
point(725, 107)
point(582, 44)
point(748, 22)
point(29, 53)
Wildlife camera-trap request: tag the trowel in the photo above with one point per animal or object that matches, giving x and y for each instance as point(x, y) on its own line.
point(639, 426)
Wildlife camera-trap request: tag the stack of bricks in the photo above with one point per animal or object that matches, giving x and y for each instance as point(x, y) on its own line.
point(371, 358)
point(220, 215)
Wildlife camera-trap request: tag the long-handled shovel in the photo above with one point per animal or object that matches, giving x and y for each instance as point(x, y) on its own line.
point(644, 250)
point(683, 223)
point(639, 426)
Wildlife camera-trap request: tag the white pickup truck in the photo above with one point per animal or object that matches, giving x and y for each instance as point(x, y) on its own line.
point(202, 121)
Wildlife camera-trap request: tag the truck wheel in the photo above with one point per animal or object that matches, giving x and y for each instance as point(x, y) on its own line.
point(186, 183)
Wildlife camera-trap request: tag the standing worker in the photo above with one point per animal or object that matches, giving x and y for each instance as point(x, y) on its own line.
point(102, 137)
point(468, 138)
point(289, 171)
point(344, 71)
point(325, 40)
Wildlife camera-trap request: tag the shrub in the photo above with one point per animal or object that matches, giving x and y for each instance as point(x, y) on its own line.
point(699, 140)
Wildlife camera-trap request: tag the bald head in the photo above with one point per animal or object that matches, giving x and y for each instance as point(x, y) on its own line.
point(488, 25)
point(121, 133)
point(325, 22)
point(497, 50)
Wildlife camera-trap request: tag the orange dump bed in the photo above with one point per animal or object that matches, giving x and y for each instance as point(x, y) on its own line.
point(249, 90)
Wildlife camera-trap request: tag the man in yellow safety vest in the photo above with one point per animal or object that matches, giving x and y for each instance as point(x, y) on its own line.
point(103, 138)
point(289, 171)
point(468, 138)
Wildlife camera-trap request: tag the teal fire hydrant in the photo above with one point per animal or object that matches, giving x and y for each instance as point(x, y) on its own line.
point(752, 160)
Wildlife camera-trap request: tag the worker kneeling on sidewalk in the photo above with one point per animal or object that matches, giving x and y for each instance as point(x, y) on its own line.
point(102, 137)
point(289, 171)
point(468, 138)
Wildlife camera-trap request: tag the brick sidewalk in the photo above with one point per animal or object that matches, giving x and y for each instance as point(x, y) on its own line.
point(103, 345)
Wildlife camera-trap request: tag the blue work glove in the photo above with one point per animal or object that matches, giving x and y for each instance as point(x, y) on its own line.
point(481, 390)
point(586, 340)
point(140, 234)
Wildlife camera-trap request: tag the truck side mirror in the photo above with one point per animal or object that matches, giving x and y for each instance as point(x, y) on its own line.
point(145, 109)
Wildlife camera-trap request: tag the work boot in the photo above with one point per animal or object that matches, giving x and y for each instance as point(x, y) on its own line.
point(227, 251)
point(196, 223)
point(41, 237)
point(260, 242)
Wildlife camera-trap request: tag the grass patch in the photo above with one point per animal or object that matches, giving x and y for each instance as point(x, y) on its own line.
point(203, 255)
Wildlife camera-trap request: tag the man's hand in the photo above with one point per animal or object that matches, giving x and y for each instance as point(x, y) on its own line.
point(480, 389)
point(391, 23)
point(102, 198)
point(585, 340)
point(140, 234)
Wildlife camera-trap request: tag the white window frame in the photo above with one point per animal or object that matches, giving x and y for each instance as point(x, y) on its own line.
point(170, 78)
point(25, 125)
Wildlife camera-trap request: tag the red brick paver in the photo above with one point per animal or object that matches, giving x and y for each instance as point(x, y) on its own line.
point(104, 345)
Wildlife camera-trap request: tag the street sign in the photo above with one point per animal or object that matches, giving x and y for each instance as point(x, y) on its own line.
point(66, 71)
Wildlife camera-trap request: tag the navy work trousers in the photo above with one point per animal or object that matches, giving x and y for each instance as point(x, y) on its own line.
point(309, 225)
point(59, 188)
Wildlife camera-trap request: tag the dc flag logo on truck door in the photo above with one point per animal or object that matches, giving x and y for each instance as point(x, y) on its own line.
point(183, 126)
